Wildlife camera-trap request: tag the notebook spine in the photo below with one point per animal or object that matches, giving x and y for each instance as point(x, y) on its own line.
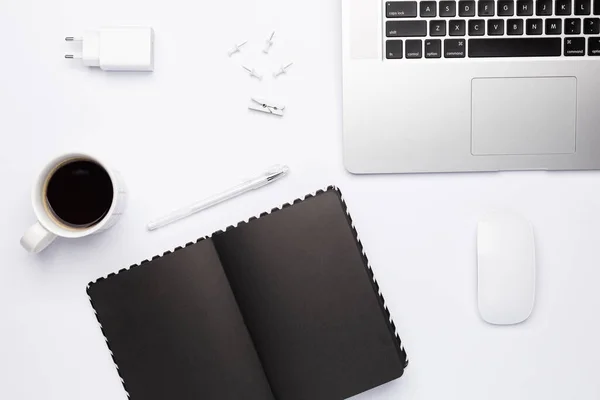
point(384, 308)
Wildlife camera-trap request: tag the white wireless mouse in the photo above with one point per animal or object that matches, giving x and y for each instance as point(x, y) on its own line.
point(506, 269)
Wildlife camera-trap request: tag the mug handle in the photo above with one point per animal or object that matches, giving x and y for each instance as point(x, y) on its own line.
point(37, 238)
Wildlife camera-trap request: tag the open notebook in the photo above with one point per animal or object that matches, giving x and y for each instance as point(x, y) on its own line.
point(282, 307)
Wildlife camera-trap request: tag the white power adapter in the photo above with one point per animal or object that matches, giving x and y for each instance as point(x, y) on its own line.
point(117, 48)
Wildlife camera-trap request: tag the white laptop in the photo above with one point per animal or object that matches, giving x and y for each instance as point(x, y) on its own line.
point(444, 86)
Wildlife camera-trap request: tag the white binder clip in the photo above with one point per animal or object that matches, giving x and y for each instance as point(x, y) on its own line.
point(266, 106)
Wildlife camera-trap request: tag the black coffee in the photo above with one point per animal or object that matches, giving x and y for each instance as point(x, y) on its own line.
point(80, 193)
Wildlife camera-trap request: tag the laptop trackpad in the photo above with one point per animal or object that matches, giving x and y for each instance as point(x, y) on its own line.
point(511, 116)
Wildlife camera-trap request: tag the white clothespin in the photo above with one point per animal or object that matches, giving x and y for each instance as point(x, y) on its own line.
point(282, 70)
point(266, 106)
point(253, 73)
point(236, 49)
point(269, 43)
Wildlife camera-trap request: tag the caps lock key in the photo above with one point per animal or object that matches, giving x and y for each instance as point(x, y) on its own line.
point(401, 9)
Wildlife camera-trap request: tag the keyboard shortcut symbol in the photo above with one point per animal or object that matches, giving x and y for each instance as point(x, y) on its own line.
point(594, 46)
point(433, 48)
point(454, 48)
point(575, 46)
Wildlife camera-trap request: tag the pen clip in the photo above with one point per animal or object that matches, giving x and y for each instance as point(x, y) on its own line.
point(272, 174)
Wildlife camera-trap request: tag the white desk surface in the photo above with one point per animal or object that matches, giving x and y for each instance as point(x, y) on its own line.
point(183, 132)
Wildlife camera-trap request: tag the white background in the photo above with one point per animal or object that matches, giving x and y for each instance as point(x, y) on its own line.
point(183, 132)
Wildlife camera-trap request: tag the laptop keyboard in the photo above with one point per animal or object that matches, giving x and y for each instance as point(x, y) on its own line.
point(492, 28)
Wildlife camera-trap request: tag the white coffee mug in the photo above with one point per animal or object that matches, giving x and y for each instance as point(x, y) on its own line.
point(48, 227)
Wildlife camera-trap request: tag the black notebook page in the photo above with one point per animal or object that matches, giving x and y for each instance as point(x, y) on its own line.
point(175, 330)
point(308, 300)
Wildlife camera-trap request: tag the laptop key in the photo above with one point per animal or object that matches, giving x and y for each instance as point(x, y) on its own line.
point(572, 26)
point(433, 48)
point(594, 46)
point(428, 9)
point(455, 48)
point(506, 8)
point(514, 27)
point(447, 9)
point(534, 26)
point(525, 7)
point(515, 47)
point(583, 7)
point(457, 27)
point(563, 7)
point(596, 7)
point(574, 46)
point(406, 28)
point(486, 8)
point(414, 48)
point(591, 26)
point(437, 28)
point(476, 27)
point(401, 9)
point(466, 8)
point(543, 7)
point(553, 26)
point(495, 27)
point(393, 49)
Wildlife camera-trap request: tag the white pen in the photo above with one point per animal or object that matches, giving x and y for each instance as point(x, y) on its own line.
point(271, 175)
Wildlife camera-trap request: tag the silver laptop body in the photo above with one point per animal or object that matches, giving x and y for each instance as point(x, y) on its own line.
point(489, 93)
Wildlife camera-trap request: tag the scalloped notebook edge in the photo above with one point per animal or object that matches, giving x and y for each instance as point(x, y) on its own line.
point(384, 308)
